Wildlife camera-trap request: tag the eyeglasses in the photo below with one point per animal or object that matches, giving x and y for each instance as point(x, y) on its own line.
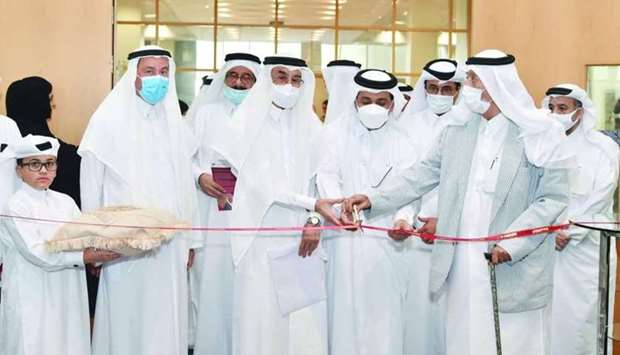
point(245, 78)
point(36, 165)
point(283, 79)
point(446, 90)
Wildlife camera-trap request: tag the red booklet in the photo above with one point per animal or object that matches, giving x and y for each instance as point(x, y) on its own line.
point(227, 180)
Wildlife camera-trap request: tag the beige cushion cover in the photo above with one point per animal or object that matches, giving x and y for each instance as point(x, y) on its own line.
point(126, 241)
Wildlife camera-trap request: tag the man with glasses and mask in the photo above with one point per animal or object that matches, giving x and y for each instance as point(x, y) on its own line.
point(211, 277)
point(365, 276)
point(500, 169)
point(279, 297)
point(44, 307)
point(138, 151)
point(592, 182)
point(429, 112)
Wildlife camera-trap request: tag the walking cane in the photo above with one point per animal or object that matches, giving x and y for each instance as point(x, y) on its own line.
point(498, 340)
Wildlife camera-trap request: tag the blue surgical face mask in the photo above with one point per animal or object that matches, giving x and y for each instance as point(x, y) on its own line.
point(154, 88)
point(234, 95)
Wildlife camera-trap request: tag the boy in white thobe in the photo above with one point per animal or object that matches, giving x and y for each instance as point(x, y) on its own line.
point(44, 307)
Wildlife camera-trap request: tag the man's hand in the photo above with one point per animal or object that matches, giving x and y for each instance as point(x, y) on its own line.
point(210, 187)
point(561, 240)
point(309, 242)
point(402, 230)
point(190, 258)
point(429, 228)
point(93, 256)
point(499, 255)
point(223, 203)
point(325, 207)
point(361, 202)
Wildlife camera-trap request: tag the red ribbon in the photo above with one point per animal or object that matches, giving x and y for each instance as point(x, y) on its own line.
point(524, 233)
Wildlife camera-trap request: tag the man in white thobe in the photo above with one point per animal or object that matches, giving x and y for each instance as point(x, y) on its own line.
point(44, 308)
point(592, 182)
point(499, 169)
point(137, 150)
point(429, 112)
point(211, 276)
point(366, 278)
point(338, 76)
point(279, 305)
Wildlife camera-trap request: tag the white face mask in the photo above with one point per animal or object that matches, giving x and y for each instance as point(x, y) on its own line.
point(285, 96)
point(566, 119)
point(439, 104)
point(373, 116)
point(473, 100)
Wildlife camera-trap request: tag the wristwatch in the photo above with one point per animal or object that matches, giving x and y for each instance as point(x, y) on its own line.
point(314, 221)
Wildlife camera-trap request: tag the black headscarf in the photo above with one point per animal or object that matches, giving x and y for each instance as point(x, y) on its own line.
point(28, 104)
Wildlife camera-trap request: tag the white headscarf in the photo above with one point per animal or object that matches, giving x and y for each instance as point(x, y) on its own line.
point(588, 122)
point(32, 145)
point(9, 135)
point(541, 136)
point(444, 70)
point(112, 138)
point(214, 92)
point(375, 81)
point(338, 76)
point(259, 176)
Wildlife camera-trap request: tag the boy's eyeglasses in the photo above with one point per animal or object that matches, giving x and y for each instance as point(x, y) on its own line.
point(36, 165)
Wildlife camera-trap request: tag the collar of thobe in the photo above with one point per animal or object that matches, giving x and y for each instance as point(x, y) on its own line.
point(358, 128)
point(229, 107)
point(34, 193)
point(276, 113)
point(494, 126)
point(147, 110)
point(577, 138)
point(432, 118)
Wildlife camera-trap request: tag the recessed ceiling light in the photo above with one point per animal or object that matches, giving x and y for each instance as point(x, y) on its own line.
point(149, 15)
